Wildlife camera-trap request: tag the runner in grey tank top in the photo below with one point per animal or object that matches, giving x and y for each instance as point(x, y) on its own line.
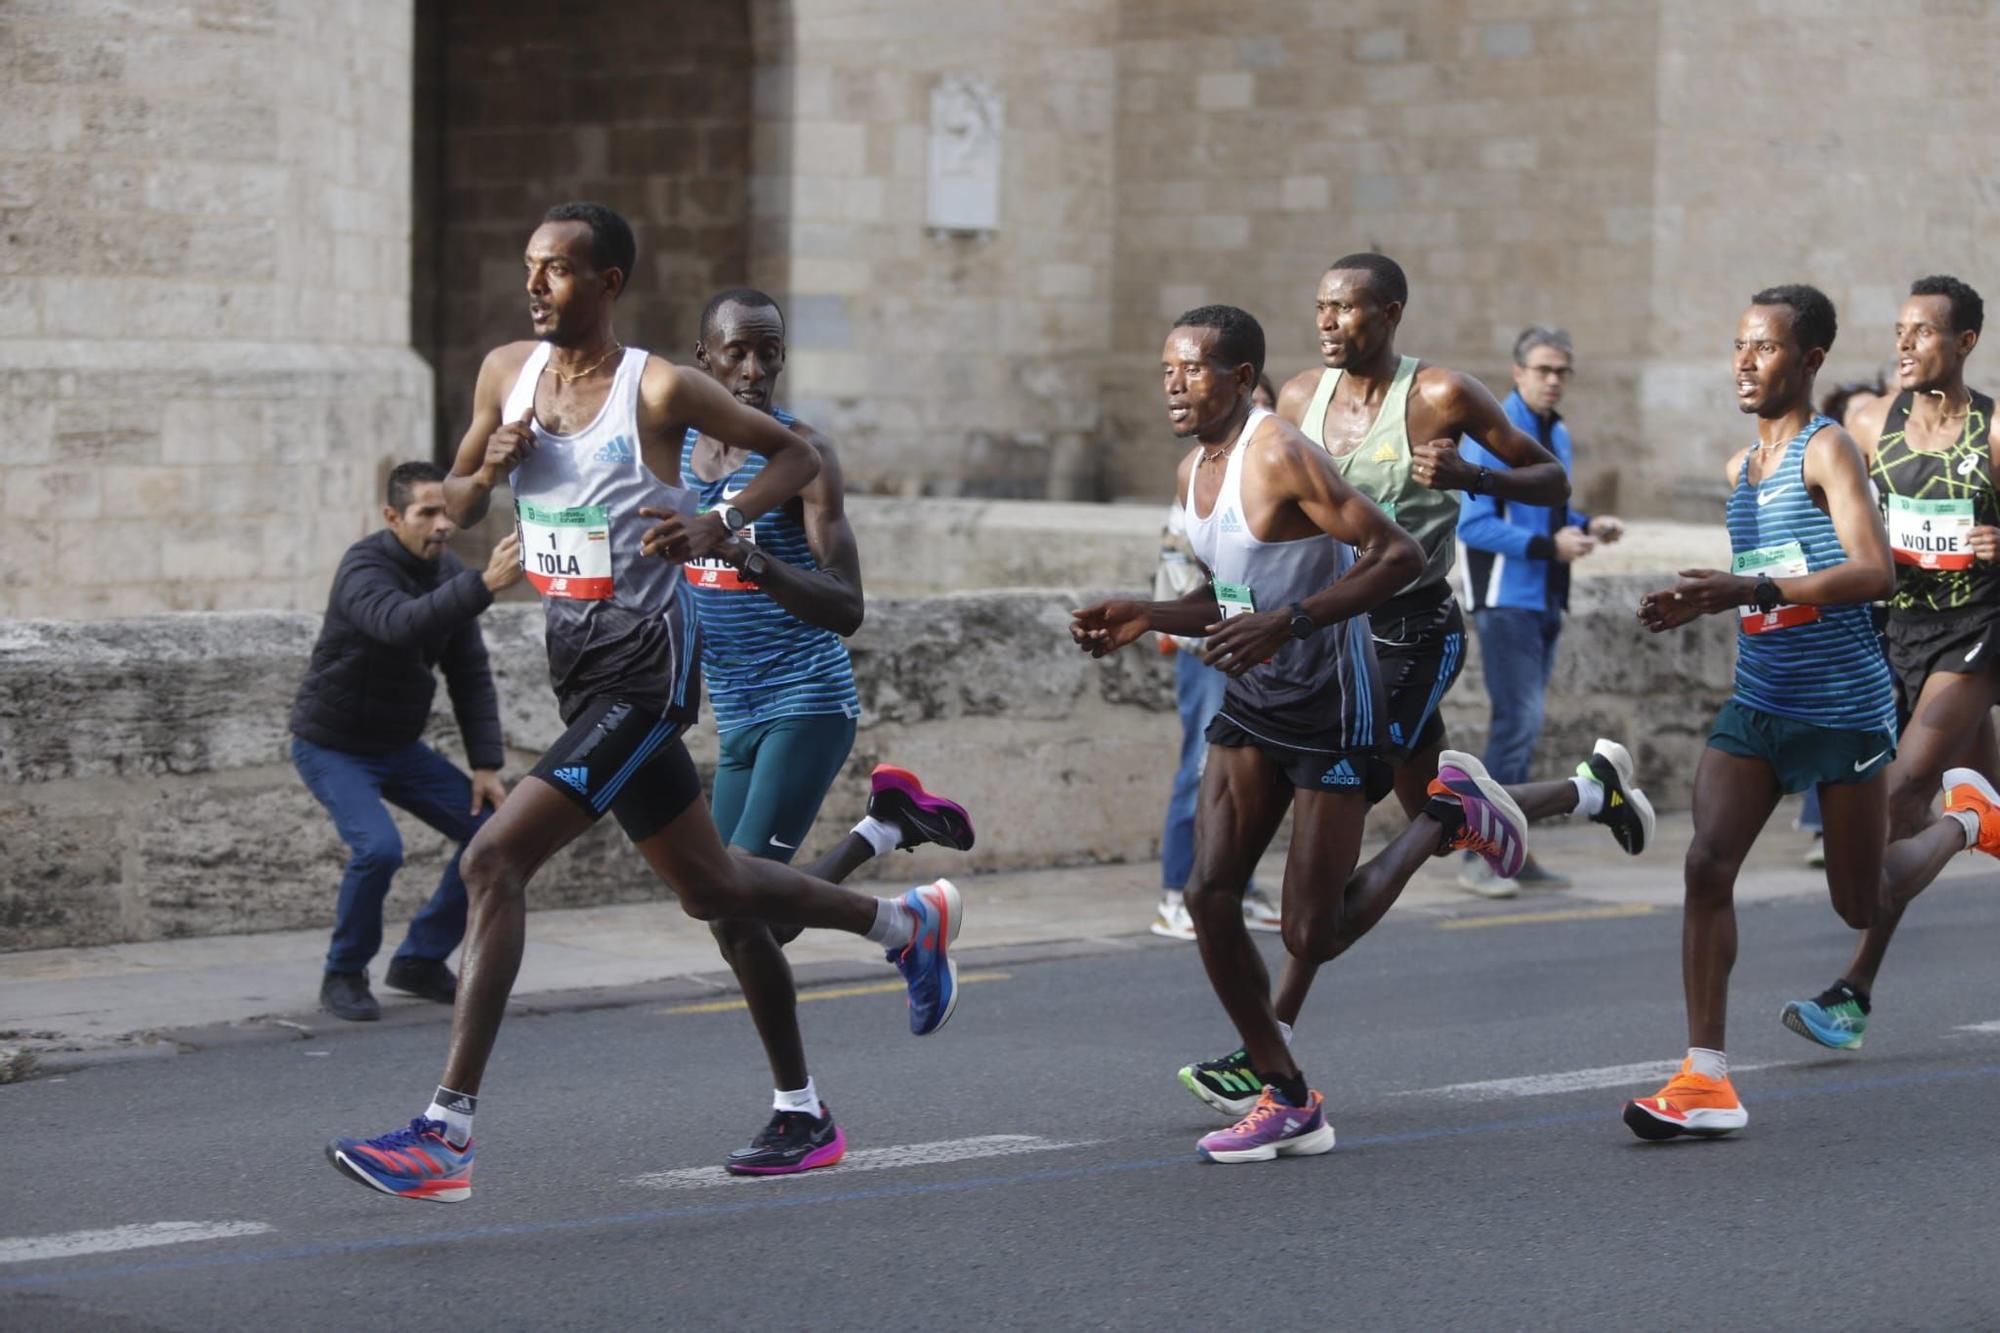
point(591, 434)
point(1294, 558)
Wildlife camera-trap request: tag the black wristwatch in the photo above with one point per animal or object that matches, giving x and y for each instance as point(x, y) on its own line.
point(1765, 596)
point(1302, 624)
point(754, 564)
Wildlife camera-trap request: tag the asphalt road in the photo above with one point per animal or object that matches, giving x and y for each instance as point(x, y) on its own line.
point(1062, 1190)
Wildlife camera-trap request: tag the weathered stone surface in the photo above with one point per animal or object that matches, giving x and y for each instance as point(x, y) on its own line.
point(149, 793)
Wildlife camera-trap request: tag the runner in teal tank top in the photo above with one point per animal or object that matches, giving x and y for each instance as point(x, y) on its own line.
point(1930, 450)
point(1813, 703)
point(774, 604)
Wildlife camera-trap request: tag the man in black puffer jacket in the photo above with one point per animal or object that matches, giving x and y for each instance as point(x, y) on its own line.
point(401, 606)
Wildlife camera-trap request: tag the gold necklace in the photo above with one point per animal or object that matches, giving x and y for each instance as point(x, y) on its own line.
point(1208, 457)
point(571, 379)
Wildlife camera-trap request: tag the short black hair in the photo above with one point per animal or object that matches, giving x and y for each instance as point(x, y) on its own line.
point(1813, 322)
point(1239, 338)
point(1835, 403)
point(1967, 310)
point(1385, 275)
point(406, 477)
point(611, 242)
point(743, 296)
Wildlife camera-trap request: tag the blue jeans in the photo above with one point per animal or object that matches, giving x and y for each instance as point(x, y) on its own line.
point(352, 787)
point(1518, 652)
point(1198, 693)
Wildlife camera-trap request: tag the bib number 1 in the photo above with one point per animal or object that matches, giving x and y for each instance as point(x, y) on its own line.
point(566, 552)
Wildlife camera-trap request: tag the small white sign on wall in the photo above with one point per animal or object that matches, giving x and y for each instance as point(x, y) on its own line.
point(967, 115)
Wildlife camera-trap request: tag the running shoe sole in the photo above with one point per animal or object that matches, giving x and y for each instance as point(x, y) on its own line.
point(1794, 1017)
point(1305, 1145)
point(939, 820)
point(1654, 1125)
point(827, 1154)
point(1233, 1107)
point(1483, 787)
point(1620, 760)
point(436, 1191)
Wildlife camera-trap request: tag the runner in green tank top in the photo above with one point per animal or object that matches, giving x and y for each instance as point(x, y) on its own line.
point(1930, 453)
point(1365, 410)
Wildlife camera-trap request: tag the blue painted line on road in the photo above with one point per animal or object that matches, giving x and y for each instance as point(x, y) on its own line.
point(915, 1189)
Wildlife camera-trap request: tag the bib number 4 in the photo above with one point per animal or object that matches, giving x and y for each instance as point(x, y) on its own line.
point(1930, 534)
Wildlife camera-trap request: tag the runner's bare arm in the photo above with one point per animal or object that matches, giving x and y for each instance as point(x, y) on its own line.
point(829, 597)
point(1533, 476)
point(491, 448)
point(673, 398)
point(1286, 464)
point(1297, 396)
point(1867, 423)
point(1665, 609)
point(1107, 626)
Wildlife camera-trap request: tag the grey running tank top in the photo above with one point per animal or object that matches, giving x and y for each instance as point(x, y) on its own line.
point(1319, 694)
point(618, 624)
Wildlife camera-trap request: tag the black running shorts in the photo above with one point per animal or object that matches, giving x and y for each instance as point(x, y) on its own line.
point(1420, 650)
point(1305, 767)
point(1964, 643)
point(622, 757)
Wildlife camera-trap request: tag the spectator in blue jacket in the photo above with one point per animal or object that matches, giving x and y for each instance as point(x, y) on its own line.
point(1517, 575)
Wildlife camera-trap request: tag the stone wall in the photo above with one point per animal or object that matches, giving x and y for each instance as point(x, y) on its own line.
point(644, 108)
point(150, 795)
point(204, 274)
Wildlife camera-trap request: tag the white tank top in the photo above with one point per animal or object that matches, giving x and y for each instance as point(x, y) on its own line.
point(617, 625)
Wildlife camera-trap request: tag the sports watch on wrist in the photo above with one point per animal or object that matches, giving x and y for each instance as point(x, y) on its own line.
point(732, 518)
point(1765, 596)
point(754, 564)
point(1302, 624)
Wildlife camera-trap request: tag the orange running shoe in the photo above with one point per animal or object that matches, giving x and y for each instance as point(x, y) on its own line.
point(1691, 1103)
point(1968, 789)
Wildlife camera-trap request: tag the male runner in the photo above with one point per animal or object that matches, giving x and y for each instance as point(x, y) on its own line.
point(1813, 701)
point(1930, 453)
point(773, 603)
point(1294, 557)
point(1367, 411)
point(589, 434)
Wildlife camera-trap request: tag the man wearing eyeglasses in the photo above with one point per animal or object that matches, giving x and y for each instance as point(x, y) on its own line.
point(1517, 579)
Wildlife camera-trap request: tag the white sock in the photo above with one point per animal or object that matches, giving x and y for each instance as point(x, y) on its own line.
point(455, 1110)
point(880, 834)
point(1285, 1031)
point(1589, 796)
point(805, 1099)
point(894, 923)
point(1970, 820)
point(1172, 899)
point(1707, 1063)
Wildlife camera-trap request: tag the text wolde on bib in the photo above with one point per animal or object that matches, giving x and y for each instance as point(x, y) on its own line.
point(566, 552)
point(713, 571)
point(1787, 561)
point(1930, 534)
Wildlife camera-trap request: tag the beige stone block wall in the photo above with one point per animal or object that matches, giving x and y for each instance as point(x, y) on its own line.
point(204, 261)
point(939, 358)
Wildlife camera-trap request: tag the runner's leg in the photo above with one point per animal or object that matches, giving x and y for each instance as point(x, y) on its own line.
point(1243, 799)
point(1733, 798)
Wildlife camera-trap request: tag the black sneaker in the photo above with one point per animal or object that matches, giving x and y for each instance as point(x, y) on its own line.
point(896, 797)
point(1626, 811)
point(1227, 1083)
point(346, 995)
point(427, 978)
point(791, 1143)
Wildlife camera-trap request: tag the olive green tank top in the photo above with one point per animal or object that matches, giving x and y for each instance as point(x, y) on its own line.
point(1380, 469)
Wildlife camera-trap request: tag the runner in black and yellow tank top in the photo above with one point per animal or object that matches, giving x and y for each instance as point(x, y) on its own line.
point(1930, 454)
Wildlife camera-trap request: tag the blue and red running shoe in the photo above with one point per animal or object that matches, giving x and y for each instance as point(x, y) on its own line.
point(414, 1162)
point(925, 962)
point(896, 797)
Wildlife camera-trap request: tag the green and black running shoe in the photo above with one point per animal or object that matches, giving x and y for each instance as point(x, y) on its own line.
point(1627, 812)
point(1227, 1083)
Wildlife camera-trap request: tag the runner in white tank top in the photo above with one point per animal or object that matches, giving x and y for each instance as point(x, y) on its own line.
point(1295, 558)
point(591, 434)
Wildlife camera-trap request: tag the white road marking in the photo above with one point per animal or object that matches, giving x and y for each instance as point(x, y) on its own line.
point(1569, 1080)
point(1993, 1026)
point(875, 1159)
point(70, 1244)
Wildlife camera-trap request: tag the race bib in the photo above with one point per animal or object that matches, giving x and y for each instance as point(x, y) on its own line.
point(1773, 562)
point(566, 552)
point(1930, 534)
point(713, 571)
point(1235, 599)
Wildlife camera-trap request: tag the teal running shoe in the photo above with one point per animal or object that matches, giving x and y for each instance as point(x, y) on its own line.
point(1838, 1018)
